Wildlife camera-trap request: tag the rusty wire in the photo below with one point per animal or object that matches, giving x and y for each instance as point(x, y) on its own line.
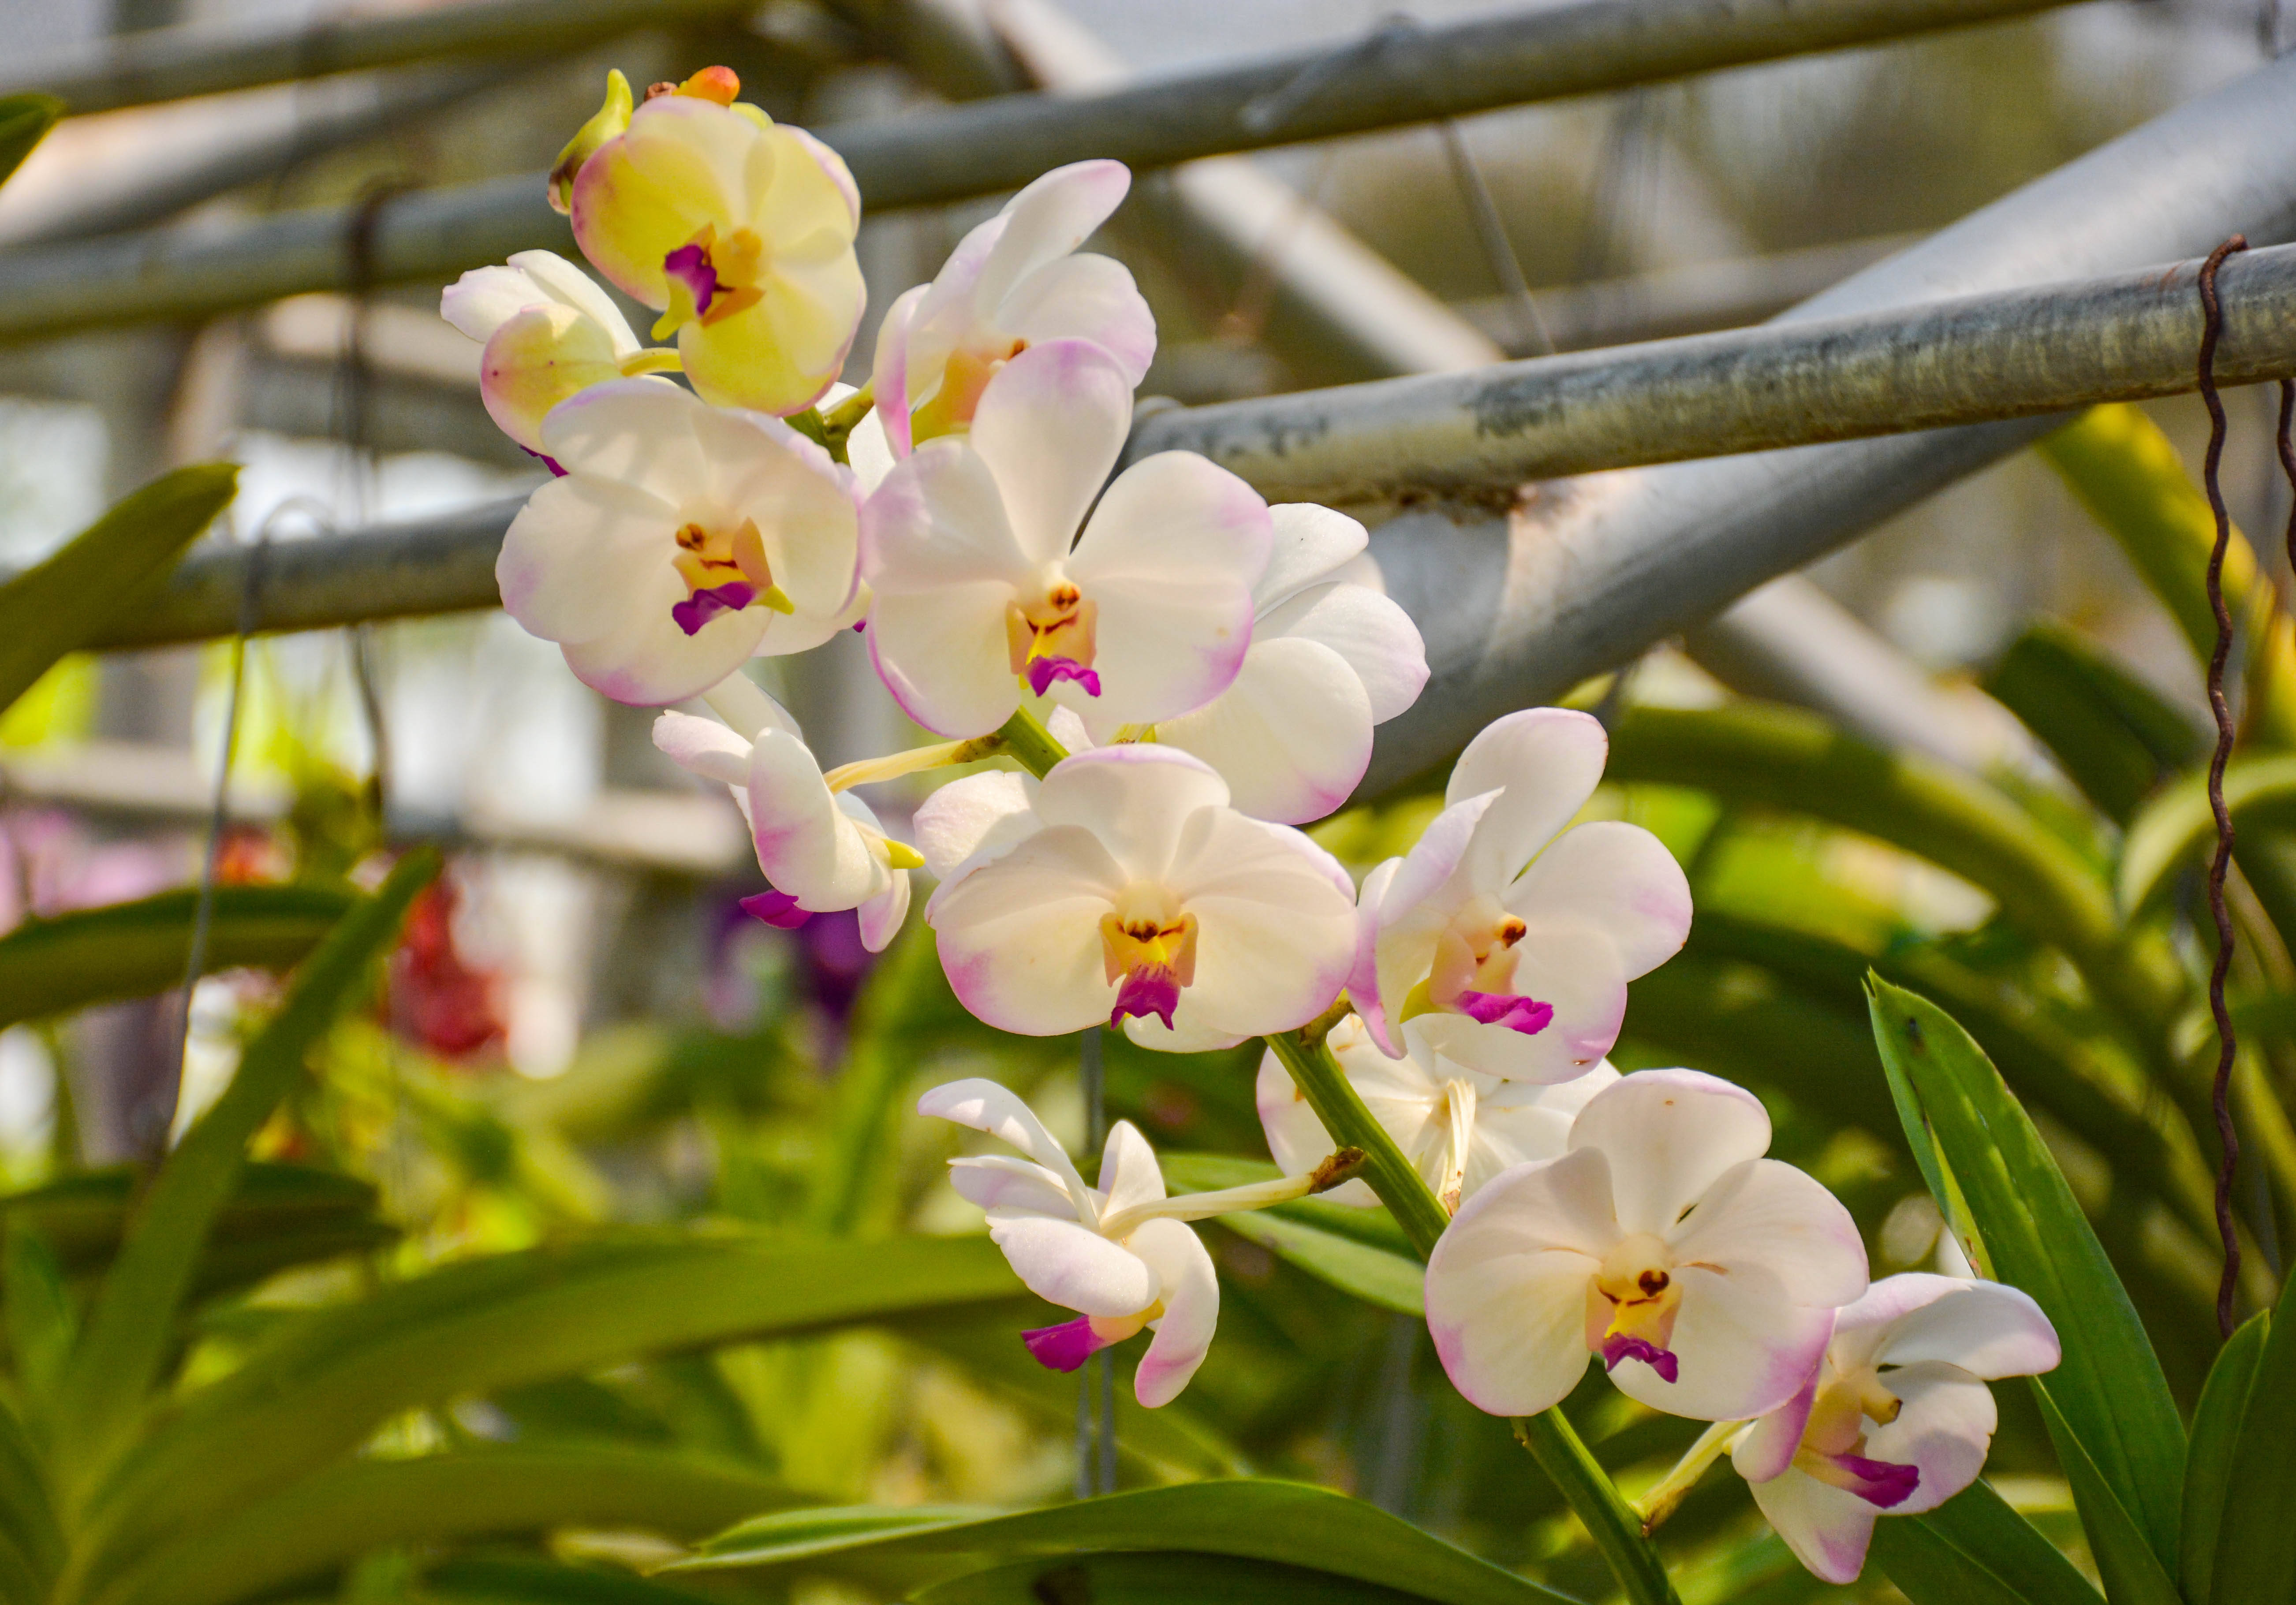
point(2220, 1094)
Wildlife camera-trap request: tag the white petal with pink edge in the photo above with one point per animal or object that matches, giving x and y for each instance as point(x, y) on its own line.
point(1191, 1298)
point(1020, 937)
point(1670, 1135)
point(1049, 427)
point(1828, 1528)
point(1615, 878)
point(1072, 1265)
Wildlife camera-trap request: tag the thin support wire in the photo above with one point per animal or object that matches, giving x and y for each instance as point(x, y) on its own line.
point(1498, 249)
point(2228, 1047)
point(219, 817)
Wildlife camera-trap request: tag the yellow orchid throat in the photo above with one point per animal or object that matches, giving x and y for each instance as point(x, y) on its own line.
point(1631, 1302)
point(1149, 956)
point(1051, 638)
point(725, 570)
point(710, 279)
point(964, 378)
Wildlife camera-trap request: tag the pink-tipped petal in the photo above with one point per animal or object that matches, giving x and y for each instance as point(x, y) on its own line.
point(1308, 545)
point(1020, 937)
point(1049, 427)
point(1828, 1529)
point(1070, 1264)
point(1506, 1285)
point(1985, 1327)
point(1547, 761)
point(1374, 636)
point(1944, 1429)
point(1191, 1296)
point(1045, 222)
point(1670, 1135)
point(1085, 298)
point(1618, 878)
point(1291, 734)
point(1767, 1448)
point(983, 1106)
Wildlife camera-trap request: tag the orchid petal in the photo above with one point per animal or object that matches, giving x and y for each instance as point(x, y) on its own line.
point(1670, 1135)
point(883, 915)
point(1763, 1213)
point(1049, 218)
point(1985, 1327)
point(1073, 1265)
point(1616, 876)
point(808, 844)
point(1291, 734)
point(1275, 936)
point(1372, 635)
point(538, 358)
point(1828, 1528)
point(984, 1106)
point(1362, 976)
point(1191, 1296)
point(1548, 761)
point(1742, 1348)
point(1000, 1181)
point(1128, 1172)
point(1576, 974)
point(637, 432)
point(1506, 1285)
point(979, 815)
point(576, 553)
point(1138, 800)
point(889, 373)
point(702, 747)
point(646, 660)
point(1170, 557)
point(1020, 937)
point(1084, 298)
point(1296, 1138)
point(1945, 1424)
point(1767, 1448)
point(1308, 545)
point(1049, 428)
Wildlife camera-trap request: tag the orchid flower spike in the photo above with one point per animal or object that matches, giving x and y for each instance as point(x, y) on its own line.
point(1118, 1252)
point(822, 850)
point(1013, 283)
point(1328, 658)
point(549, 333)
point(739, 231)
point(1896, 1419)
point(1704, 1276)
point(982, 587)
point(1458, 1126)
point(683, 539)
point(1514, 943)
point(1124, 888)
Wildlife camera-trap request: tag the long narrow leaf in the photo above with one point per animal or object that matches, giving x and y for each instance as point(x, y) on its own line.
point(100, 956)
point(1974, 1547)
point(321, 1383)
point(2112, 733)
point(131, 1322)
point(2115, 1400)
point(2132, 1570)
point(349, 1510)
point(2208, 1460)
point(1285, 1523)
point(1156, 1579)
point(1388, 1282)
point(504, 1580)
point(2256, 1535)
point(2169, 831)
point(56, 604)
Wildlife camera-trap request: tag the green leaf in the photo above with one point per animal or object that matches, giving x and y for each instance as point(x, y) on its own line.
point(497, 1580)
point(131, 1327)
point(2256, 1538)
point(1287, 1524)
point(1975, 1548)
point(25, 121)
point(321, 1383)
point(1390, 1282)
point(2131, 1568)
point(60, 602)
point(853, 1169)
point(1157, 1579)
point(2112, 733)
point(2118, 1411)
point(31, 1542)
point(1975, 1551)
point(2208, 1461)
point(348, 1510)
point(41, 1321)
point(2169, 831)
point(101, 955)
point(281, 1216)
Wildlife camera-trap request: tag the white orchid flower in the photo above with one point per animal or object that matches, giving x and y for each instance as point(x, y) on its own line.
point(1014, 281)
point(1896, 1419)
point(1329, 658)
point(983, 586)
point(1458, 1126)
point(821, 848)
point(739, 231)
point(1118, 1253)
point(549, 333)
point(1122, 887)
point(1512, 943)
point(1704, 1276)
point(683, 539)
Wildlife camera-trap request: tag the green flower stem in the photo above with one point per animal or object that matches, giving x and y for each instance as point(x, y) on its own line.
point(1025, 737)
point(1552, 1442)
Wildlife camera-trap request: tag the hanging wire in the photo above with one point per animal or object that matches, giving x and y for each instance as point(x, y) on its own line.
point(2220, 1094)
point(1499, 249)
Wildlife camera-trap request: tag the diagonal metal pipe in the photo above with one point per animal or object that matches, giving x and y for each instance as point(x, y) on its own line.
point(1393, 77)
point(1595, 569)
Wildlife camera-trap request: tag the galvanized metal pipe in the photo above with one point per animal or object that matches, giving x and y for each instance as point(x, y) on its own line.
point(174, 63)
point(2005, 354)
point(1393, 77)
point(1594, 571)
